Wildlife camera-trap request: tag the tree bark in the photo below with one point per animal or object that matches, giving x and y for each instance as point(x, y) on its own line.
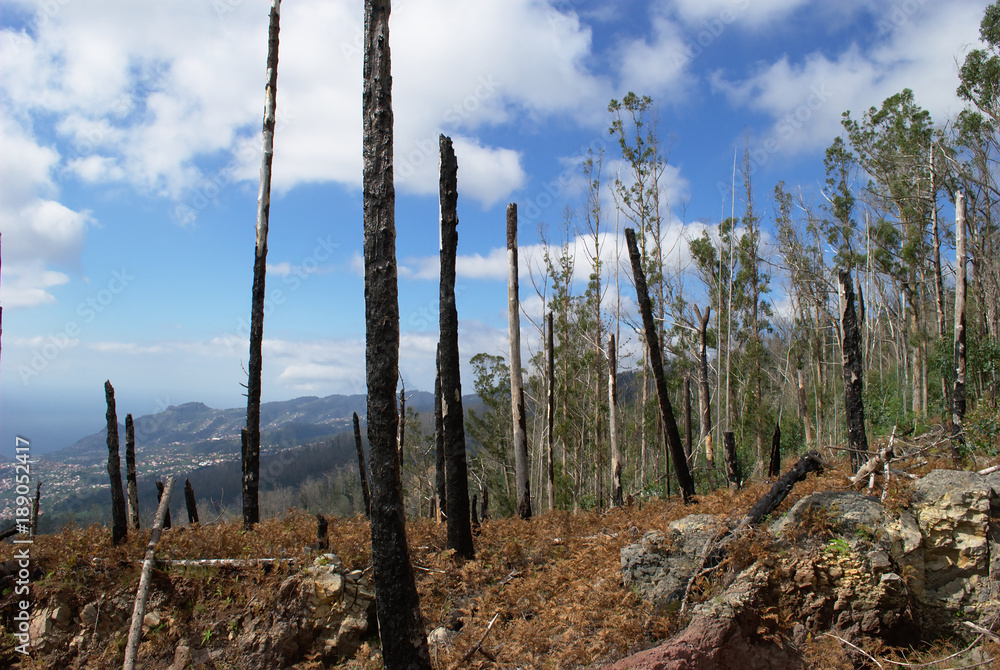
point(704, 392)
point(774, 468)
point(132, 489)
point(322, 533)
point(362, 468)
point(251, 455)
point(804, 407)
point(189, 501)
point(33, 520)
point(656, 363)
point(459, 520)
point(550, 405)
point(159, 496)
point(439, 441)
point(522, 471)
point(936, 237)
point(958, 395)
point(145, 579)
point(688, 428)
point(119, 527)
point(617, 499)
point(401, 626)
point(733, 473)
point(780, 489)
point(854, 405)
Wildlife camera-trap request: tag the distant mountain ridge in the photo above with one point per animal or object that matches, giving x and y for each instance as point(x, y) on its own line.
point(300, 419)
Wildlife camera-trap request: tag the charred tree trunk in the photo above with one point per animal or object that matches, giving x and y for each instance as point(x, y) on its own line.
point(459, 521)
point(362, 468)
point(550, 407)
point(774, 468)
point(857, 441)
point(402, 425)
point(733, 473)
point(251, 454)
point(704, 392)
point(656, 363)
point(189, 501)
point(439, 442)
point(33, 520)
point(401, 626)
point(132, 489)
point(322, 533)
point(617, 499)
point(486, 502)
point(522, 473)
point(780, 489)
point(159, 498)
point(958, 395)
point(119, 526)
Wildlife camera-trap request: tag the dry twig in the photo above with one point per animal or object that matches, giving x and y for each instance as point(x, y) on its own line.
point(479, 645)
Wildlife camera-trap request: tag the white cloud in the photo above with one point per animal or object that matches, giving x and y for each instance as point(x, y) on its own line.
point(807, 97)
point(725, 12)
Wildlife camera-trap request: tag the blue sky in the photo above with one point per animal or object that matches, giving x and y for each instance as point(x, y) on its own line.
point(129, 168)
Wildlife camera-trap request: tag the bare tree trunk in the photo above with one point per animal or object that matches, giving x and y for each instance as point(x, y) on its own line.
point(774, 467)
point(732, 462)
point(688, 428)
point(936, 236)
point(522, 470)
point(159, 496)
point(119, 526)
point(189, 501)
point(958, 396)
point(656, 362)
point(439, 441)
point(401, 626)
point(362, 469)
point(550, 405)
point(853, 372)
point(459, 520)
point(804, 408)
point(704, 392)
point(616, 455)
point(402, 424)
point(145, 579)
point(33, 520)
point(132, 489)
point(251, 455)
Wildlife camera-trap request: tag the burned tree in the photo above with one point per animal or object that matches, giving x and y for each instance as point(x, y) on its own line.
point(958, 395)
point(550, 407)
point(440, 485)
point(616, 455)
point(119, 528)
point(362, 468)
point(159, 498)
point(132, 489)
point(656, 363)
point(189, 501)
point(35, 504)
point(521, 471)
point(401, 626)
point(732, 461)
point(857, 441)
point(456, 469)
point(774, 467)
point(251, 450)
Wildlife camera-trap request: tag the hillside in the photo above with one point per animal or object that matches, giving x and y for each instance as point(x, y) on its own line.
point(546, 593)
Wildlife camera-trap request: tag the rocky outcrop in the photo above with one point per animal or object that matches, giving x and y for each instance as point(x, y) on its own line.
point(844, 563)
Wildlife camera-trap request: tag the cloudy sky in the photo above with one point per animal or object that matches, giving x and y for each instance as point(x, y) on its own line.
point(130, 155)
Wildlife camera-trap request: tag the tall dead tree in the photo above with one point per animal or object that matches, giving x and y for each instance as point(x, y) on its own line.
point(33, 521)
point(402, 423)
point(774, 465)
point(522, 472)
point(857, 441)
point(958, 395)
point(190, 502)
point(656, 363)
point(456, 467)
point(132, 489)
point(159, 497)
point(251, 452)
point(688, 429)
point(732, 461)
point(362, 468)
point(119, 527)
point(550, 407)
point(704, 392)
point(616, 454)
point(401, 626)
point(439, 460)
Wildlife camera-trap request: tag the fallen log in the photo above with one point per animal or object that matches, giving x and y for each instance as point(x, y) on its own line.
point(811, 462)
point(875, 462)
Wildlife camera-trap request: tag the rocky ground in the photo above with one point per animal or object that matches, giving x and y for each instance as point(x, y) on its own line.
point(833, 579)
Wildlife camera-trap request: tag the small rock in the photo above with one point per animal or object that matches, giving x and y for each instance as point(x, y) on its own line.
point(88, 615)
point(151, 620)
point(879, 561)
point(62, 615)
point(441, 637)
point(182, 657)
